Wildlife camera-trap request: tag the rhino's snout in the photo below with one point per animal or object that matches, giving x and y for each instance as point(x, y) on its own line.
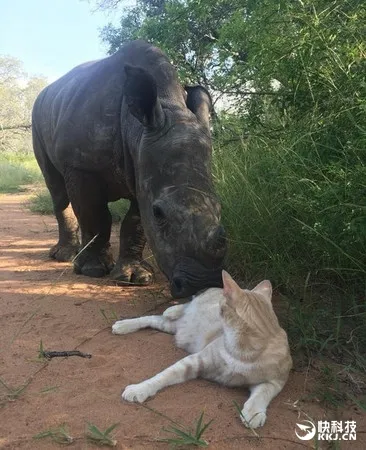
point(189, 277)
point(181, 286)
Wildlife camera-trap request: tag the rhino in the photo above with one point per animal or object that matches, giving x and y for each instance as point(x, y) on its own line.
point(124, 127)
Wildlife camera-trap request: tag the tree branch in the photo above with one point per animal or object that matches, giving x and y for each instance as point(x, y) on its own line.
point(239, 92)
point(16, 127)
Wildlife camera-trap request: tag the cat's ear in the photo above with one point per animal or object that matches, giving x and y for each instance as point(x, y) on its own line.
point(264, 288)
point(230, 286)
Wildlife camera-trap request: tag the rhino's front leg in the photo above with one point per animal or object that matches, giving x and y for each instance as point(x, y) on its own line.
point(89, 203)
point(130, 268)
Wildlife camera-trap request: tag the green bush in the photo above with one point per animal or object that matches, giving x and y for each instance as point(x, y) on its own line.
point(118, 209)
point(41, 203)
point(289, 215)
point(16, 171)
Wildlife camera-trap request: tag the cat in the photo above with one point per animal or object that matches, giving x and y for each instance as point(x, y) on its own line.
point(234, 338)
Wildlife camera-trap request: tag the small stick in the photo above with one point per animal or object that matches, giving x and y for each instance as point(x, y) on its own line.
point(49, 355)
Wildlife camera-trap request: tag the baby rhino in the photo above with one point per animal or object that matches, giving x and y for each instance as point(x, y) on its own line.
point(234, 338)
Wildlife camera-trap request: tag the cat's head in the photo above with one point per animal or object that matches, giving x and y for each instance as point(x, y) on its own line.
point(249, 312)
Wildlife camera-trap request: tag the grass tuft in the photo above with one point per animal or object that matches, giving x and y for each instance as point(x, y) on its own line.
point(100, 438)
point(60, 435)
point(11, 394)
point(188, 437)
point(41, 203)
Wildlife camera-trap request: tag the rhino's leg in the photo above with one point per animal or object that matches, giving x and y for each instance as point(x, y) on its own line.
point(68, 241)
point(130, 268)
point(89, 201)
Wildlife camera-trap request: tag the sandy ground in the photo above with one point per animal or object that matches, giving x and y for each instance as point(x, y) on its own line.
point(43, 300)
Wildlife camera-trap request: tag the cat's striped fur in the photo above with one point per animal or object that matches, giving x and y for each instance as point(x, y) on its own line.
point(234, 338)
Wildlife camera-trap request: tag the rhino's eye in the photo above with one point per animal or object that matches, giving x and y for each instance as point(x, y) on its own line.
point(158, 213)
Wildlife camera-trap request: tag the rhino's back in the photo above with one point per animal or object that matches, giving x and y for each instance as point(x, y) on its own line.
point(78, 117)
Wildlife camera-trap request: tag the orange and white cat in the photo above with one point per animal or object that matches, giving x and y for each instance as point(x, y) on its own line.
point(234, 338)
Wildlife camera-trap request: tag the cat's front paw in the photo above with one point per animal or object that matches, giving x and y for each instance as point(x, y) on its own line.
point(123, 327)
point(252, 418)
point(136, 393)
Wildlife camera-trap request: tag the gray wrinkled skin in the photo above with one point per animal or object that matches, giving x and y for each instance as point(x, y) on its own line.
point(123, 127)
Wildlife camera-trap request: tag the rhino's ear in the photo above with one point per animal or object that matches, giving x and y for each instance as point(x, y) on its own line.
point(141, 95)
point(200, 103)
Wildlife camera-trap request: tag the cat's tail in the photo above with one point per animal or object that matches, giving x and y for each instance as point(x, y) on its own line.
point(174, 312)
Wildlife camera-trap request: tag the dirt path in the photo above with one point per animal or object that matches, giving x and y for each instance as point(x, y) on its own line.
point(43, 300)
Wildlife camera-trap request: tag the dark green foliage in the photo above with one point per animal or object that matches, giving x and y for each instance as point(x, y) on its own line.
point(288, 209)
point(17, 170)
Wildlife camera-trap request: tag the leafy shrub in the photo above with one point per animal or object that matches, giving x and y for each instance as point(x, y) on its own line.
point(16, 171)
point(41, 203)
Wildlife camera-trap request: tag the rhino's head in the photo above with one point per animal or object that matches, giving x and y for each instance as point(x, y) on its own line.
point(179, 210)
